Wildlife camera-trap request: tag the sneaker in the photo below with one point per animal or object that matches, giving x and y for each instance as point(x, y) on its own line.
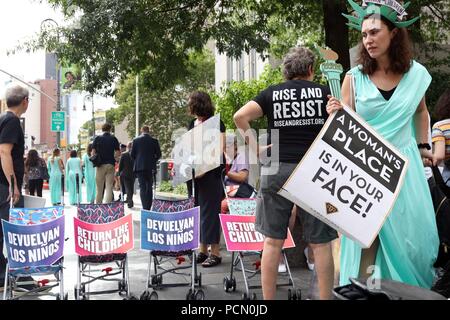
point(310, 265)
point(282, 268)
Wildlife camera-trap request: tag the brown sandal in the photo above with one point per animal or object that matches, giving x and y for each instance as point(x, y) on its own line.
point(212, 261)
point(201, 257)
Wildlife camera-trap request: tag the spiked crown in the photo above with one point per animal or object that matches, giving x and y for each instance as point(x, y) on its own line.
point(390, 9)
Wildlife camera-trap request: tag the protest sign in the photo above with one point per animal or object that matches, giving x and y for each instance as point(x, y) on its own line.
point(199, 149)
point(349, 178)
point(240, 234)
point(106, 238)
point(170, 231)
point(34, 245)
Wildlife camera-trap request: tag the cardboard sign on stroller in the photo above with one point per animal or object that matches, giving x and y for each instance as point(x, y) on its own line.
point(240, 234)
point(34, 245)
point(175, 231)
point(349, 178)
point(105, 238)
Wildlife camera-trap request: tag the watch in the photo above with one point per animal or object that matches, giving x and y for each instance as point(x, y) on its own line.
point(424, 146)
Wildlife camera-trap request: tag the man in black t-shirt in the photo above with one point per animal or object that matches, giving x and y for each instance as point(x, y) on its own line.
point(107, 148)
point(12, 146)
point(297, 109)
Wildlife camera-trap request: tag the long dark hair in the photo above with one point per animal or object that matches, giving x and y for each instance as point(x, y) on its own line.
point(32, 159)
point(443, 106)
point(400, 51)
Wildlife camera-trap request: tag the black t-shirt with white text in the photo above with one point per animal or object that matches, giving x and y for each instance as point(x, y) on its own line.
point(11, 133)
point(297, 108)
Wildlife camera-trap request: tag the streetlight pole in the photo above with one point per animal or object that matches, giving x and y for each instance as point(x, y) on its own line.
point(58, 79)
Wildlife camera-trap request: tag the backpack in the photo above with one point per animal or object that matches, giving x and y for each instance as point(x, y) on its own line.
point(440, 194)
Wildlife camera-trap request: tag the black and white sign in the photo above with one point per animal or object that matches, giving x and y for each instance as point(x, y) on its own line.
point(349, 178)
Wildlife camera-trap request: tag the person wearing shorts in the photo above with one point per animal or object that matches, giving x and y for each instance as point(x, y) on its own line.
point(297, 109)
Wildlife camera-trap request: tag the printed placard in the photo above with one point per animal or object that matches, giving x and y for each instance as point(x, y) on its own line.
point(198, 149)
point(349, 178)
point(173, 232)
point(106, 238)
point(34, 245)
point(240, 234)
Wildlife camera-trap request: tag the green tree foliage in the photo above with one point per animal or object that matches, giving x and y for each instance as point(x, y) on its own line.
point(165, 109)
point(110, 39)
point(238, 93)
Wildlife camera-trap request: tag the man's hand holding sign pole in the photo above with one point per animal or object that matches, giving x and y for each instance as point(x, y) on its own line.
point(351, 176)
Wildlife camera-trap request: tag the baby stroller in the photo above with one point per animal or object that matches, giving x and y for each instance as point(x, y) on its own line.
point(163, 262)
point(117, 262)
point(242, 261)
point(23, 219)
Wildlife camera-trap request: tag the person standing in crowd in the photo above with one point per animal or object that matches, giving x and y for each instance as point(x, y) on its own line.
point(106, 146)
point(441, 135)
point(73, 167)
point(89, 175)
point(145, 153)
point(274, 211)
point(387, 89)
point(12, 148)
point(208, 187)
point(126, 174)
point(55, 167)
point(35, 172)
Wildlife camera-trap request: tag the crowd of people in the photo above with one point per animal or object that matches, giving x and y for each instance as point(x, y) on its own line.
point(387, 89)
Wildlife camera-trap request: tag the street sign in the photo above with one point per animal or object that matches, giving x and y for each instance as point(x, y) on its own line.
point(58, 121)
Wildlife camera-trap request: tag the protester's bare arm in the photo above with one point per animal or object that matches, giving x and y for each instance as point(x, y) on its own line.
point(240, 176)
point(438, 151)
point(242, 118)
point(422, 128)
point(8, 168)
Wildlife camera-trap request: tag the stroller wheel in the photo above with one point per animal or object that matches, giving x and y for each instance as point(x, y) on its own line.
point(289, 294)
point(159, 279)
point(153, 296)
point(244, 296)
point(298, 294)
point(66, 296)
point(145, 295)
point(227, 284)
point(233, 283)
point(190, 295)
point(199, 295)
point(130, 298)
point(254, 297)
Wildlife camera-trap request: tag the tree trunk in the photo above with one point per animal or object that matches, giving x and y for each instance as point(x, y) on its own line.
point(336, 30)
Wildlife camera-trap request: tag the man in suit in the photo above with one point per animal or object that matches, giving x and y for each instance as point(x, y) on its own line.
point(126, 173)
point(145, 153)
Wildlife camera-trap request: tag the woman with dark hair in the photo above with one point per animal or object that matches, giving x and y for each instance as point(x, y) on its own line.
point(73, 167)
point(89, 175)
point(441, 134)
point(208, 187)
point(388, 90)
point(55, 169)
point(35, 171)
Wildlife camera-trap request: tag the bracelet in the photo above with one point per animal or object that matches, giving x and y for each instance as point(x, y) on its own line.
point(424, 146)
